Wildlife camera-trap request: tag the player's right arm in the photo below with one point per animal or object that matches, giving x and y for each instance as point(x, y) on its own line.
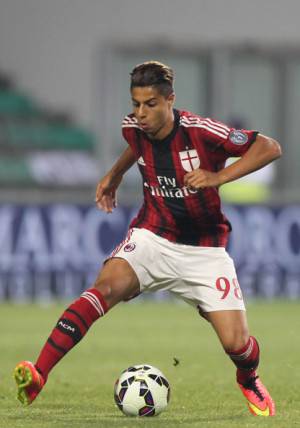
point(107, 186)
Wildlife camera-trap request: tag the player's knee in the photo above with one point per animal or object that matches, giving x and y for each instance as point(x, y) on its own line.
point(112, 289)
point(104, 288)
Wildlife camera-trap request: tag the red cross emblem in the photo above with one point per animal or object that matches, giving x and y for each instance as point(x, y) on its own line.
point(189, 160)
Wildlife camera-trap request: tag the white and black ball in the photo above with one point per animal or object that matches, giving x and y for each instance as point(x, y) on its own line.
point(142, 390)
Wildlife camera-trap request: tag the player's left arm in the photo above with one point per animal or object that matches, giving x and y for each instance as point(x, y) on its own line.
point(262, 151)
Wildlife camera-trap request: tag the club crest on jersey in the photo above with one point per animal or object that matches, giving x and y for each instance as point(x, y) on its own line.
point(238, 137)
point(189, 160)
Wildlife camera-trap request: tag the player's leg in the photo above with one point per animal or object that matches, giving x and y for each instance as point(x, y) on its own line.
point(232, 329)
point(209, 282)
point(117, 281)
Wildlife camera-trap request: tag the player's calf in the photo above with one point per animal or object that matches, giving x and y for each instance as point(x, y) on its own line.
point(70, 328)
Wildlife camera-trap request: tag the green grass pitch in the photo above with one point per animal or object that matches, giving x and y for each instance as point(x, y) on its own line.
point(79, 392)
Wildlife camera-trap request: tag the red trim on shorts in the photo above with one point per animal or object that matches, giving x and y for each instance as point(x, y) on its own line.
point(125, 241)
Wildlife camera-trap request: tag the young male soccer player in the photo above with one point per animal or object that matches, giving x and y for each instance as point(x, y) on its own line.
point(177, 241)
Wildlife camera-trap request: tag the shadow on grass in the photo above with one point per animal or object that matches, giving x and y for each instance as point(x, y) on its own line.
point(121, 421)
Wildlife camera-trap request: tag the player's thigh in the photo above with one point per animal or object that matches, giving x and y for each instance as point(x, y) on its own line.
point(208, 281)
point(231, 327)
point(117, 281)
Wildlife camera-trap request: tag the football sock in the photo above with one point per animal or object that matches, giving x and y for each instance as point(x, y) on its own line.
point(246, 360)
point(70, 329)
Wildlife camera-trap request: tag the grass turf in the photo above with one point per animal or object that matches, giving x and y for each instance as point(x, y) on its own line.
point(79, 392)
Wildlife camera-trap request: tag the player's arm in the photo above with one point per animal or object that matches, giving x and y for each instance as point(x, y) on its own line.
point(107, 186)
point(262, 152)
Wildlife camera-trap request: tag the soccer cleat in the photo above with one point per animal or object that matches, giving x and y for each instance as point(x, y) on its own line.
point(29, 382)
point(259, 400)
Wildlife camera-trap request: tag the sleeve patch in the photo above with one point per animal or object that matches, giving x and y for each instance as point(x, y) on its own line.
point(238, 137)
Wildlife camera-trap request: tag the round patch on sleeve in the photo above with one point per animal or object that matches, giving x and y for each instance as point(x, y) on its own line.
point(238, 137)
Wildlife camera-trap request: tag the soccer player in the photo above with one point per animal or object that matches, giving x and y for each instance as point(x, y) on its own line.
point(177, 240)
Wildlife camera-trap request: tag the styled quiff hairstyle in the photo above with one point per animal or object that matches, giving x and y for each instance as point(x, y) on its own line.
point(153, 73)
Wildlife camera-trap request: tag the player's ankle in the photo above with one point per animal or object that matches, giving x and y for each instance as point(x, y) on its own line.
point(242, 376)
point(42, 375)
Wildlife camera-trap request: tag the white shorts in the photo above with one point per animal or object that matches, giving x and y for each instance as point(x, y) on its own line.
point(203, 276)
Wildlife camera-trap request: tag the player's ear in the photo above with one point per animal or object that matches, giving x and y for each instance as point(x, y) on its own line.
point(171, 98)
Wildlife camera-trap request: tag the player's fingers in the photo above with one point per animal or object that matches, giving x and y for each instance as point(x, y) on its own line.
point(104, 205)
point(193, 175)
point(196, 184)
point(101, 205)
point(193, 180)
point(187, 177)
point(186, 180)
point(99, 193)
point(115, 201)
point(109, 203)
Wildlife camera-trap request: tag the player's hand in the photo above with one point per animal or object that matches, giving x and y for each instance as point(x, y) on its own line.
point(200, 179)
point(106, 199)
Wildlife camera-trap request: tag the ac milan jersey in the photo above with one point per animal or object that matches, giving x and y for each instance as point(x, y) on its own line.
point(170, 209)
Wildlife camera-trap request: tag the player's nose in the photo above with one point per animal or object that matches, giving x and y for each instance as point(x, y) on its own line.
point(141, 112)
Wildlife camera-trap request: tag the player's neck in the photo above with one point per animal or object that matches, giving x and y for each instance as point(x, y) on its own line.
point(165, 130)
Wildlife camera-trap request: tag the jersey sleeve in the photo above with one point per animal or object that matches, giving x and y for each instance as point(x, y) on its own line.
point(234, 142)
point(129, 132)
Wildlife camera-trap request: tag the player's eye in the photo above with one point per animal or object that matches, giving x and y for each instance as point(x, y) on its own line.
point(152, 104)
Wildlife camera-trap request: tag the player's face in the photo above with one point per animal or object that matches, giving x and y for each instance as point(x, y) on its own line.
point(153, 111)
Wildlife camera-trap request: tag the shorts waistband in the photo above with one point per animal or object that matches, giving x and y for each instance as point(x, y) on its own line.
point(178, 245)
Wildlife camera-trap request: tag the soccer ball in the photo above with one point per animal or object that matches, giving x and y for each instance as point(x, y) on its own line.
point(142, 390)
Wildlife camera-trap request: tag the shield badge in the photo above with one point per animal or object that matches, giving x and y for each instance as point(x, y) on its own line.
point(189, 160)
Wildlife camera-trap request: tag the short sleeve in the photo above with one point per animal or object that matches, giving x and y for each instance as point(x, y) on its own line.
point(129, 132)
point(239, 141)
point(235, 142)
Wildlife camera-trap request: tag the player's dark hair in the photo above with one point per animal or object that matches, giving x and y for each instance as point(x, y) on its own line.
point(153, 73)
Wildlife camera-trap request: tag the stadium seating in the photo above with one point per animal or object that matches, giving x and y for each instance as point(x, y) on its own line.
point(14, 103)
point(27, 129)
point(14, 170)
point(26, 134)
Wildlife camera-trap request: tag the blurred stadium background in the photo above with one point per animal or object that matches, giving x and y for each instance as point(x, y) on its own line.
point(64, 77)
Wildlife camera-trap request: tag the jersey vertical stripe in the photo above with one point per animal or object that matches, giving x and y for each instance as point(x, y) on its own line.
point(195, 205)
point(164, 167)
point(153, 212)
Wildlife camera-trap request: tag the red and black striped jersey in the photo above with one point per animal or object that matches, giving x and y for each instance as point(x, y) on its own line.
point(170, 209)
